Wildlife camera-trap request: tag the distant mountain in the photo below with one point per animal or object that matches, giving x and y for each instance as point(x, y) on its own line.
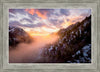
point(74, 44)
point(18, 35)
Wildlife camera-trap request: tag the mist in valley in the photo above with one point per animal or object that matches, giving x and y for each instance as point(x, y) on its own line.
point(31, 52)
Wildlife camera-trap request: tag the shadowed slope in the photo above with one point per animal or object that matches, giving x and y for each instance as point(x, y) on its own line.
point(18, 35)
point(72, 39)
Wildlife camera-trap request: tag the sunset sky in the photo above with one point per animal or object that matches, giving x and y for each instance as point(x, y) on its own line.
point(45, 21)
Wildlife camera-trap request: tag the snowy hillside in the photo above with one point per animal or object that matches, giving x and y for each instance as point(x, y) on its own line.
point(74, 44)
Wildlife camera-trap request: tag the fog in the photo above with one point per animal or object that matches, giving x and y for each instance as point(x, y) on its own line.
point(30, 53)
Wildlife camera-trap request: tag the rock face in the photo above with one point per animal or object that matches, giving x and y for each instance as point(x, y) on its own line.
point(72, 45)
point(18, 35)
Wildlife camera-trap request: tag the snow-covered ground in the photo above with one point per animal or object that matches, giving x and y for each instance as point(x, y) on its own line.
point(82, 56)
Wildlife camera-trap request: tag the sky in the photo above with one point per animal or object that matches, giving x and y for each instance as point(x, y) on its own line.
point(45, 21)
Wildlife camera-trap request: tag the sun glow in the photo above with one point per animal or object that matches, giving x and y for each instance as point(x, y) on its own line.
point(46, 27)
point(41, 31)
point(65, 24)
point(50, 30)
point(44, 31)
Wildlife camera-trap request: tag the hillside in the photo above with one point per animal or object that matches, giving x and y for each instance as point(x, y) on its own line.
point(18, 35)
point(73, 46)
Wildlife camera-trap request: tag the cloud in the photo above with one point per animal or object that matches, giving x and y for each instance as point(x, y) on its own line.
point(30, 11)
point(56, 22)
point(14, 23)
point(65, 12)
point(46, 18)
point(18, 24)
point(42, 13)
point(86, 13)
point(25, 19)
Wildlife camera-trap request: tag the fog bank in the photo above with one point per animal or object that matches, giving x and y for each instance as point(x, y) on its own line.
point(30, 53)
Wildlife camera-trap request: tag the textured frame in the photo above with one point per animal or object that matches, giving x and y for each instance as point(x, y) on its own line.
point(8, 6)
point(73, 67)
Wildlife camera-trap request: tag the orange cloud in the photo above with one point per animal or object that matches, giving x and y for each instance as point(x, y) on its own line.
point(41, 15)
point(30, 11)
point(73, 20)
point(65, 24)
point(33, 11)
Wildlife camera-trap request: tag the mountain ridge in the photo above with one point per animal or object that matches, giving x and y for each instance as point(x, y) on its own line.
point(18, 35)
point(72, 39)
